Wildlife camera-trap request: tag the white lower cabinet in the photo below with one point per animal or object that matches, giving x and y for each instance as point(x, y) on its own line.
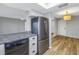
point(2, 49)
point(33, 45)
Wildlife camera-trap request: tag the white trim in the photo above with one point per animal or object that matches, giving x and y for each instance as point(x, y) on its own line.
point(49, 32)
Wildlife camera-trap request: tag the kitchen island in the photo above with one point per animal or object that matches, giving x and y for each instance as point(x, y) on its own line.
point(18, 37)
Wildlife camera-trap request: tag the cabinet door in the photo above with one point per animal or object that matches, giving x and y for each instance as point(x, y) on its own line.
point(2, 49)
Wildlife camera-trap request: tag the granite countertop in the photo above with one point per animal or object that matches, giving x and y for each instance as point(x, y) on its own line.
point(6, 38)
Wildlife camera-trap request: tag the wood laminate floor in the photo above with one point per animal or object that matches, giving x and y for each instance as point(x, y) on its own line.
point(62, 45)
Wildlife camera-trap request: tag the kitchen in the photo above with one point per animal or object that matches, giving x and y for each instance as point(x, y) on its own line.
point(39, 29)
point(23, 32)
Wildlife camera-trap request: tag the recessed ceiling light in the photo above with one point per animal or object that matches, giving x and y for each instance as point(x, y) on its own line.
point(48, 5)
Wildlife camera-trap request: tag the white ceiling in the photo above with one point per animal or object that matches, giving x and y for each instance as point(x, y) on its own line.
point(48, 5)
point(27, 6)
point(34, 6)
point(72, 8)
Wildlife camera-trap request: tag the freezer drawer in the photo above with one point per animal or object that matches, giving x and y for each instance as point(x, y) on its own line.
point(43, 46)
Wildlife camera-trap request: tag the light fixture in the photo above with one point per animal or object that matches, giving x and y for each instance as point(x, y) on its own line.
point(67, 16)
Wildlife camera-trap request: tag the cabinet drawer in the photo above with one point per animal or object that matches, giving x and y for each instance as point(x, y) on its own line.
point(33, 49)
point(33, 45)
point(33, 52)
point(32, 39)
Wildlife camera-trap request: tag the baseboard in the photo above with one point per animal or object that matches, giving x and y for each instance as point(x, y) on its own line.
point(54, 35)
point(66, 36)
point(74, 37)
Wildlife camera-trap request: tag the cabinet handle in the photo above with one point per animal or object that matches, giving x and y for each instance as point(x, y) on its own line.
point(33, 43)
point(33, 38)
point(33, 51)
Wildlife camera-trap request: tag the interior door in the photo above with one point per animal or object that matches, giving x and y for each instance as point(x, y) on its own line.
point(61, 27)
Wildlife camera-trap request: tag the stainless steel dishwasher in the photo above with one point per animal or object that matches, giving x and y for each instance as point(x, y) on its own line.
point(20, 47)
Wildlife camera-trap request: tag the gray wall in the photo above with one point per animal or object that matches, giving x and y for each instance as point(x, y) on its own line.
point(69, 28)
point(73, 27)
point(6, 11)
point(54, 26)
point(11, 25)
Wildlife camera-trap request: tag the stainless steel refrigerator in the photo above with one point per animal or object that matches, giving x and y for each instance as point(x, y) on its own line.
point(40, 26)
